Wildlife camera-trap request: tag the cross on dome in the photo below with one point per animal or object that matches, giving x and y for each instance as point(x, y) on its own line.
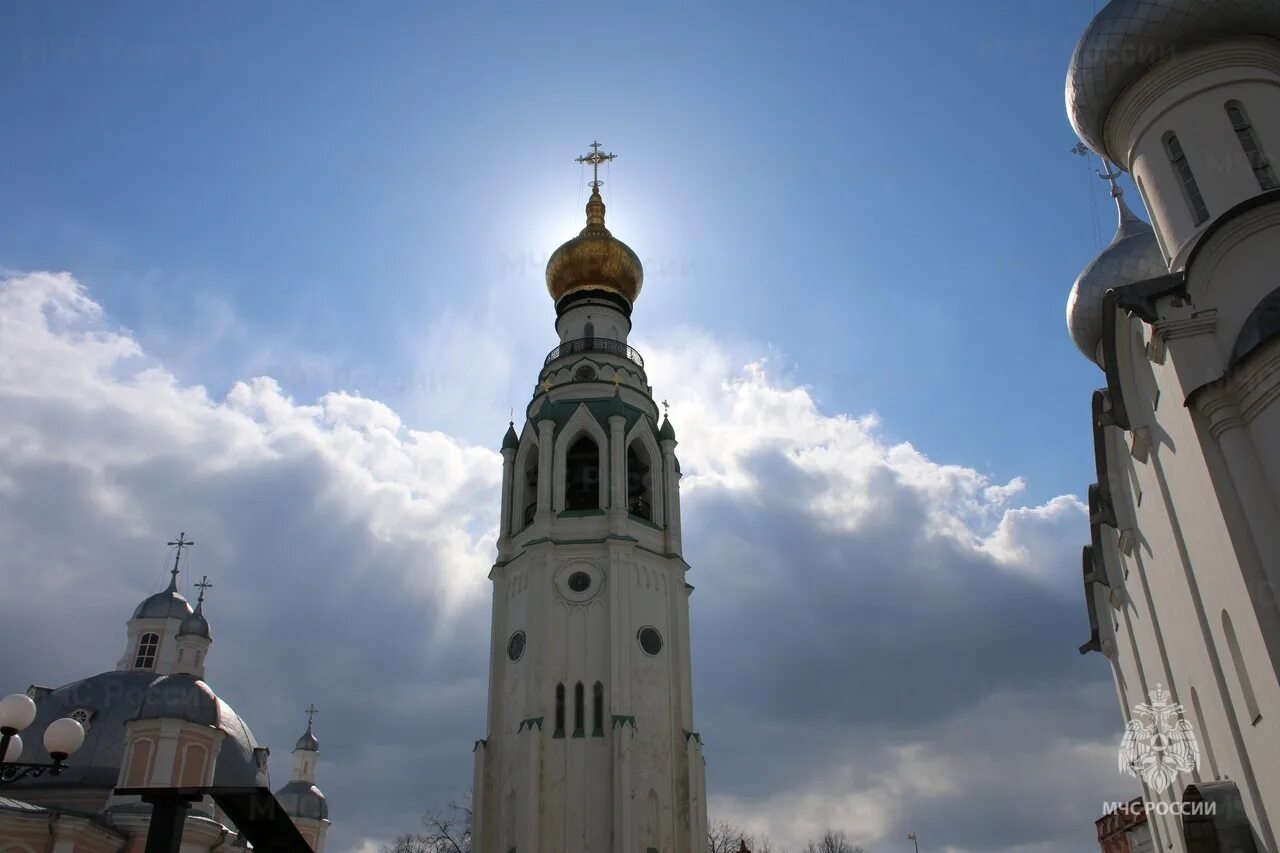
point(181, 542)
point(202, 586)
point(595, 158)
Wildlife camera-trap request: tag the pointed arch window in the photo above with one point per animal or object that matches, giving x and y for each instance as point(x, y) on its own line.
point(597, 710)
point(1253, 152)
point(146, 656)
point(639, 481)
point(559, 732)
point(582, 475)
point(1246, 686)
point(579, 709)
point(1178, 159)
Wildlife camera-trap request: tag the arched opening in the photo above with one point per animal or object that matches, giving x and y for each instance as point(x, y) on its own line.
point(639, 481)
point(582, 475)
point(579, 709)
point(1178, 159)
point(559, 732)
point(147, 646)
point(1246, 686)
point(529, 492)
point(597, 710)
point(1253, 152)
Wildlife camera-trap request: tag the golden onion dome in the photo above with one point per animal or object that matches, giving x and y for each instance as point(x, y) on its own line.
point(595, 260)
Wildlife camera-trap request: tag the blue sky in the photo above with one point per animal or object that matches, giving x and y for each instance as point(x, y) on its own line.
point(883, 192)
point(878, 199)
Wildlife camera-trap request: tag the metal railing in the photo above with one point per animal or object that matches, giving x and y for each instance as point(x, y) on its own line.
point(607, 345)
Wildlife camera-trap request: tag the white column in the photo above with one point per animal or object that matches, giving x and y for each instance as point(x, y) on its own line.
point(546, 476)
point(508, 487)
point(617, 473)
point(477, 798)
point(671, 485)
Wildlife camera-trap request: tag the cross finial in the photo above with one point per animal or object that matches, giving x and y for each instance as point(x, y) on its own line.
point(595, 158)
point(181, 542)
point(665, 406)
point(1110, 176)
point(312, 710)
point(202, 586)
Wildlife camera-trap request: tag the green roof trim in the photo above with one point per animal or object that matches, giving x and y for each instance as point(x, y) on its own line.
point(667, 431)
point(579, 513)
point(529, 724)
point(620, 720)
point(480, 743)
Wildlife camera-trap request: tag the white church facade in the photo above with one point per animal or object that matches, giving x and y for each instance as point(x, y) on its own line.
point(590, 742)
point(151, 722)
point(1182, 318)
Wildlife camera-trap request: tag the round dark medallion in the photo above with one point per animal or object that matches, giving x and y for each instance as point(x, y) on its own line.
point(584, 373)
point(579, 581)
point(650, 640)
point(515, 646)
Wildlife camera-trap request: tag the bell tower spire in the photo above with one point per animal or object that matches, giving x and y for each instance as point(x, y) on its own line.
point(590, 743)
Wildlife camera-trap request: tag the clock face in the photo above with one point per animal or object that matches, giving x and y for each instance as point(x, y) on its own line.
point(515, 646)
point(584, 373)
point(650, 640)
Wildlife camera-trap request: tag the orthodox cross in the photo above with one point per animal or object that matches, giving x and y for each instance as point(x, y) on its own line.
point(665, 406)
point(181, 542)
point(595, 158)
point(202, 586)
point(312, 710)
point(1110, 176)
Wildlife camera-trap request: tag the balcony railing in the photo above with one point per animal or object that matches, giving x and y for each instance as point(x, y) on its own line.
point(607, 345)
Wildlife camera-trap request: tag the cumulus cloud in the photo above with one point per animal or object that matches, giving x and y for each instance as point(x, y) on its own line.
point(882, 643)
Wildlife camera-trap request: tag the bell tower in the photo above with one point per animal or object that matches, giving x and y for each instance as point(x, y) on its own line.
point(590, 743)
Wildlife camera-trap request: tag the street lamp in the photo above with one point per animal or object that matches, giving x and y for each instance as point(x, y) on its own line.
point(61, 738)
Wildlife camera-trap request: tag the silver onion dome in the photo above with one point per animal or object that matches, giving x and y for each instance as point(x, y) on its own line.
point(1128, 37)
point(1132, 255)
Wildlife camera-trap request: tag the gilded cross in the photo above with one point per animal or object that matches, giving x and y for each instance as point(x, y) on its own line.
point(617, 380)
point(595, 158)
point(546, 385)
point(202, 586)
point(181, 542)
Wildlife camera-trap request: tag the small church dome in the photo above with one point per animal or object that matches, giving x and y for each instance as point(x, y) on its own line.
point(1133, 255)
point(196, 625)
point(308, 742)
point(303, 799)
point(1128, 37)
point(595, 260)
point(166, 604)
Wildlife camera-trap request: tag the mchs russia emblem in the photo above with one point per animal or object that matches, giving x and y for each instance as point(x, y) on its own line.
point(1158, 743)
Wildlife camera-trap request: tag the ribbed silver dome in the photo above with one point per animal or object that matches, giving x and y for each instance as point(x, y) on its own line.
point(196, 624)
point(1133, 255)
point(308, 742)
point(1130, 36)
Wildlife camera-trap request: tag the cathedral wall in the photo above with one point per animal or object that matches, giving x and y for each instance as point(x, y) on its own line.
point(1187, 558)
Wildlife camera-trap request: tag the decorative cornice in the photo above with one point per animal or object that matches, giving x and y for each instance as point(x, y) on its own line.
point(1199, 323)
point(1247, 388)
point(1126, 541)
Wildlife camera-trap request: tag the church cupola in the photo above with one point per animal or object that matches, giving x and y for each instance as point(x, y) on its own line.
point(301, 799)
point(194, 638)
point(153, 628)
point(1185, 96)
point(1133, 255)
